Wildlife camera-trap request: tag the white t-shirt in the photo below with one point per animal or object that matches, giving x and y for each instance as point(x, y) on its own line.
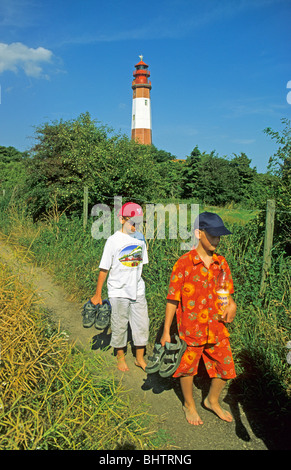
point(124, 257)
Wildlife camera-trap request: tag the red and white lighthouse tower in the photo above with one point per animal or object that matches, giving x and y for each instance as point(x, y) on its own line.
point(141, 120)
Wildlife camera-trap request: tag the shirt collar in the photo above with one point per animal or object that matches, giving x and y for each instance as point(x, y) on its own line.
point(196, 258)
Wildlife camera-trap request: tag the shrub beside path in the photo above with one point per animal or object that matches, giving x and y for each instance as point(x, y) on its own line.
point(161, 396)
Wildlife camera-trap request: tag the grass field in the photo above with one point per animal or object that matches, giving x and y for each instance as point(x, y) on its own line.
point(53, 397)
point(259, 334)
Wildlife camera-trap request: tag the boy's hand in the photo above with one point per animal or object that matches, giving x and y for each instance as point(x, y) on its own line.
point(229, 311)
point(96, 300)
point(166, 338)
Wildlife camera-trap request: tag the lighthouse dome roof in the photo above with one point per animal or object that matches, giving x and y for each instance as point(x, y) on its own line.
point(141, 63)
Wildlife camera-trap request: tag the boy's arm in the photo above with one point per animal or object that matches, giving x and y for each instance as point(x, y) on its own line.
point(97, 297)
point(171, 308)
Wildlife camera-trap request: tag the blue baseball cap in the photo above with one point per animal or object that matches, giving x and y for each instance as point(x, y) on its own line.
point(211, 223)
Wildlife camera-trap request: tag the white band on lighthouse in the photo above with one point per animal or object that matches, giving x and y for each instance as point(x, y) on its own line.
point(141, 113)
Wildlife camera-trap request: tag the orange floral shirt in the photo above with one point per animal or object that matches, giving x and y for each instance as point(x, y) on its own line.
point(194, 286)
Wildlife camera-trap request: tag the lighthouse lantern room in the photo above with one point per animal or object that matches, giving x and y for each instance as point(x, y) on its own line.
point(141, 121)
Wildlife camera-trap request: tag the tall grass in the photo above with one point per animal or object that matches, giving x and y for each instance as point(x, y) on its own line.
point(262, 326)
point(53, 397)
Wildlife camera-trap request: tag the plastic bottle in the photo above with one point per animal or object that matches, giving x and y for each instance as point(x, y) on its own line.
point(222, 290)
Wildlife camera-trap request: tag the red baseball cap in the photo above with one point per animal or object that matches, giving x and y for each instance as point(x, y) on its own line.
point(131, 209)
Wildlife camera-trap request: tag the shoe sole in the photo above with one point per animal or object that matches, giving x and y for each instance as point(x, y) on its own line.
point(152, 369)
point(173, 367)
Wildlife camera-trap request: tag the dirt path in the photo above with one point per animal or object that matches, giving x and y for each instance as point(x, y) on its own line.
point(161, 395)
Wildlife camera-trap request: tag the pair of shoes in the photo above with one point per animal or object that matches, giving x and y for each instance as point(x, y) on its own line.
point(98, 314)
point(172, 357)
point(166, 359)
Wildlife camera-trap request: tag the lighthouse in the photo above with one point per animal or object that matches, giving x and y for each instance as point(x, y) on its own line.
point(141, 121)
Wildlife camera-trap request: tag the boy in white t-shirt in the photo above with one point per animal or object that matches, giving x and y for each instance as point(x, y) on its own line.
point(123, 257)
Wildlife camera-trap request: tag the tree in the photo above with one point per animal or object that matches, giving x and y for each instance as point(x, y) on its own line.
point(218, 181)
point(72, 154)
point(244, 178)
point(192, 174)
point(161, 156)
point(12, 167)
point(280, 162)
point(171, 178)
point(11, 154)
point(280, 167)
point(211, 179)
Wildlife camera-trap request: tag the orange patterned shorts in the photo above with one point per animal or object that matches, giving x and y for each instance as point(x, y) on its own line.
point(217, 358)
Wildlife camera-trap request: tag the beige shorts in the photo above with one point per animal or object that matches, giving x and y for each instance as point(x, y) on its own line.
point(134, 312)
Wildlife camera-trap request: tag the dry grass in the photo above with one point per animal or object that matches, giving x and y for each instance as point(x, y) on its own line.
point(52, 397)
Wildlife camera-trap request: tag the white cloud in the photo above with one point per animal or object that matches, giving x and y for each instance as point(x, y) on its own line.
point(17, 56)
point(243, 141)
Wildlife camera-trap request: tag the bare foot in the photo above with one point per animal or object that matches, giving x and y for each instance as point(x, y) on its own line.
point(192, 416)
point(141, 364)
point(216, 408)
point(121, 364)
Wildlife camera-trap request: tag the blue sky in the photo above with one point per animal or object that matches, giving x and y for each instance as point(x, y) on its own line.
point(219, 69)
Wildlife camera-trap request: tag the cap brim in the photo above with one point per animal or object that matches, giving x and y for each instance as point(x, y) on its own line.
point(218, 231)
point(136, 219)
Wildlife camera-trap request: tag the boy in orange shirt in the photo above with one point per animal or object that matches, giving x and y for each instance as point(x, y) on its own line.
point(192, 297)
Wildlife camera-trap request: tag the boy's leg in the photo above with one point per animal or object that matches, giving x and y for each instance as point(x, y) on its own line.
point(212, 399)
point(219, 363)
point(191, 413)
point(139, 357)
point(189, 365)
point(119, 326)
point(121, 363)
point(139, 322)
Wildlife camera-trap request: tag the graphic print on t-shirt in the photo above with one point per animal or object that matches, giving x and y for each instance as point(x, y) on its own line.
point(131, 255)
